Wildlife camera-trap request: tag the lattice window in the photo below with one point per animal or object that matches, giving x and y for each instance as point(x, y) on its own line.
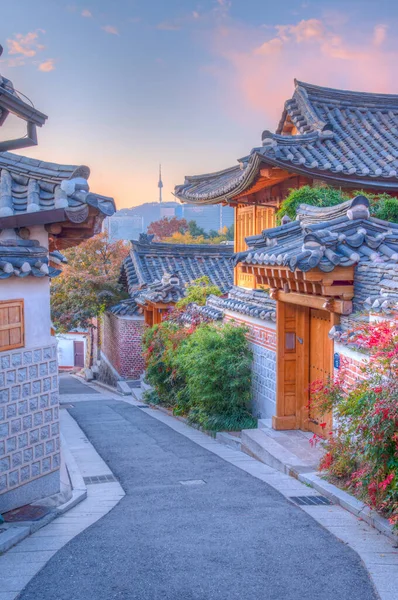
point(12, 330)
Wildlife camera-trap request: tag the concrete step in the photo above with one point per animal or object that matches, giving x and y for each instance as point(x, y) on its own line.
point(257, 443)
point(232, 441)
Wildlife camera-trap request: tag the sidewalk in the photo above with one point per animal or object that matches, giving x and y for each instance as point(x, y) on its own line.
point(20, 564)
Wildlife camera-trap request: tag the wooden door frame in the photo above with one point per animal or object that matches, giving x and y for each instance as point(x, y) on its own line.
point(284, 419)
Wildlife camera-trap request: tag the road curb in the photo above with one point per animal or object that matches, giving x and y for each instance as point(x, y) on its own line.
point(349, 503)
point(18, 532)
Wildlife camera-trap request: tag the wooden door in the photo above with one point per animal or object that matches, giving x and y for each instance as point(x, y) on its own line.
point(320, 364)
point(78, 348)
point(292, 366)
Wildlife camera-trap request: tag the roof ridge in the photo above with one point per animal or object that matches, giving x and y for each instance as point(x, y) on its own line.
point(342, 92)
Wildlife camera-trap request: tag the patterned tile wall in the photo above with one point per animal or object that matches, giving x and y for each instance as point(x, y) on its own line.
point(263, 382)
point(29, 425)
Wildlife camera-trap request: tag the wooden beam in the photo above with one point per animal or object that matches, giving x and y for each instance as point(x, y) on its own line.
point(341, 307)
point(273, 173)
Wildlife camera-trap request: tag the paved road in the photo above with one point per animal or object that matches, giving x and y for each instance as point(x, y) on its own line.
point(233, 537)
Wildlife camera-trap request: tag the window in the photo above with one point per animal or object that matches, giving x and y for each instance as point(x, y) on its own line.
point(12, 332)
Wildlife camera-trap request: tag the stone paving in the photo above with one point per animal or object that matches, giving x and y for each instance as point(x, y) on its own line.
point(376, 551)
point(21, 563)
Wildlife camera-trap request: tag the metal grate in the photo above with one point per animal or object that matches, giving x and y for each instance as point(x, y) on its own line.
point(310, 500)
point(99, 479)
point(28, 512)
point(142, 406)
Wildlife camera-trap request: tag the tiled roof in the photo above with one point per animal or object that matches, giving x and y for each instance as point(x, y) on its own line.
point(344, 235)
point(24, 258)
point(253, 303)
point(149, 261)
point(126, 308)
point(195, 314)
point(342, 137)
point(28, 185)
point(167, 291)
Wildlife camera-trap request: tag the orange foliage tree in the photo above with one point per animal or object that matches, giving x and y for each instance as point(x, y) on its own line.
point(88, 284)
point(166, 227)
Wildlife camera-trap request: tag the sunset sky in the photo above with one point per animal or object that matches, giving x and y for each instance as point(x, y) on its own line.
point(128, 84)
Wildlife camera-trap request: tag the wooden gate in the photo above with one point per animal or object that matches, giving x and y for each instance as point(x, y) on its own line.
point(320, 363)
point(304, 355)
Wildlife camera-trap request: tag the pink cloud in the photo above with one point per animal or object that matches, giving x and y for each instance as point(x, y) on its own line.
point(25, 44)
point(87, 13)
point(47, 66)
point(110, 29)
point(379, 35)
point(258, 69)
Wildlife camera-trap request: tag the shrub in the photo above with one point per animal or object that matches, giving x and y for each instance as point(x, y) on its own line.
point(203, 372)
point(363, 449)
point(198, 291)
point(386, 209)
point(160, 345)
point(315, 196)
point(216, 366)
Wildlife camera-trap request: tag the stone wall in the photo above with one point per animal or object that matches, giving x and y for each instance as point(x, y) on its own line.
point(262, 339)
point(29, 426)
point(122, 344)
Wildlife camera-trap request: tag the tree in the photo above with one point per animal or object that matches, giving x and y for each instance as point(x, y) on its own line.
point(88, 284)
point(230, 232)
point(166, 227)
point(195, 230)
point(187, 238)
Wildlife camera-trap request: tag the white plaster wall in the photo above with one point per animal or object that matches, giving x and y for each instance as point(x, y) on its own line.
point(350, 353)
point(35, 292)
point(66, 354)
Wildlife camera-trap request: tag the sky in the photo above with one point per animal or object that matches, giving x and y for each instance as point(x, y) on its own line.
point(129, 84)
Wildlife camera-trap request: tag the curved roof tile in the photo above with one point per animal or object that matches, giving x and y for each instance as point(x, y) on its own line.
point(342, 136)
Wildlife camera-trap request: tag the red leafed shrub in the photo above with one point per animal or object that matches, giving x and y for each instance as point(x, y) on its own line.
point(362, 450)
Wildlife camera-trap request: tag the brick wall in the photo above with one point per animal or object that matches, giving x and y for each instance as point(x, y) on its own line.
point(29, 426)
point(262, 341)
point(351, 363)
point(122, 344)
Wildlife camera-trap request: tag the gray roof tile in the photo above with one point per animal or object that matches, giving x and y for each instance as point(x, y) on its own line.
point(343, 136)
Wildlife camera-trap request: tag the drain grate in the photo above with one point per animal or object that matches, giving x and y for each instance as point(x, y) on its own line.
point(28, 512)
point(99, 479)
point(310, 500)
point(142, 406)
point(193, 482)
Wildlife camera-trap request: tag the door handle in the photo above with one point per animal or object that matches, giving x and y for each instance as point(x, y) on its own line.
point(300, 340)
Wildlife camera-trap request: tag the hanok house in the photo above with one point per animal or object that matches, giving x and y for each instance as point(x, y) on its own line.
point(295, 283)
point(155, 275)
point(43, 207)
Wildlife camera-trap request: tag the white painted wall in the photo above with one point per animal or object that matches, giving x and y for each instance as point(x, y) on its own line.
point(66, 353)
point(36, 295)
point(35, 291)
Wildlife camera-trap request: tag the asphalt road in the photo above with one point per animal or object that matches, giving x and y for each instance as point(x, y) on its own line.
point(232, 538)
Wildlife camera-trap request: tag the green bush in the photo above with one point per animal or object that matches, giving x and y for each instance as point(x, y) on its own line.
point(160, 346)
point(203, 373)
point(386, 209)
point(216, 365)
point(198, 291)
point(315, 196)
